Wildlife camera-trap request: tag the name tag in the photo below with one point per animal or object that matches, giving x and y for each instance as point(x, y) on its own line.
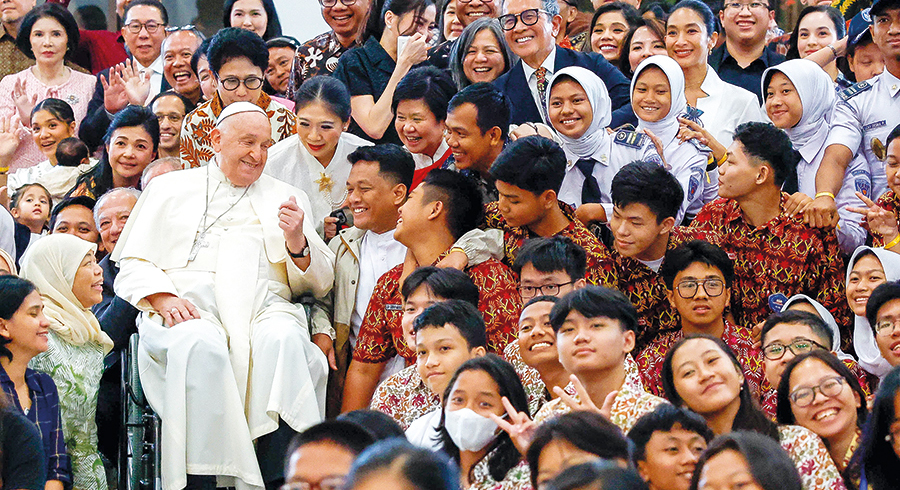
point(877, 124)
point(393, 307)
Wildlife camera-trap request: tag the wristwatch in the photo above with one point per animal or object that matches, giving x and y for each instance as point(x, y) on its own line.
point(303, 253)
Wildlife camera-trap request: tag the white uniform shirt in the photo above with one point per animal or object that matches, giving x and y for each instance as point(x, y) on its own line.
point(377, 255)
point(726, 107)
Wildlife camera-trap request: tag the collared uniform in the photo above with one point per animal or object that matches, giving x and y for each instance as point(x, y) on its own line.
point(405, 397)
point(868, 111)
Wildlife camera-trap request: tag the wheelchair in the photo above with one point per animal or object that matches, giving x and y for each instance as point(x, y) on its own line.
point(139, 442)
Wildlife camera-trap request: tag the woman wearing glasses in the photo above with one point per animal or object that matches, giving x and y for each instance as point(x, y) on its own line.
point(48, 35)
point(879, 451)
point(818, 392)
point(868, 268)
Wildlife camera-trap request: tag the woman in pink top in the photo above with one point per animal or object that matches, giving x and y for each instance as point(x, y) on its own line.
point(48, 35)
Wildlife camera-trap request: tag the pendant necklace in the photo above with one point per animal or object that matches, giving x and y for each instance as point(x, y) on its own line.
point(200, 239)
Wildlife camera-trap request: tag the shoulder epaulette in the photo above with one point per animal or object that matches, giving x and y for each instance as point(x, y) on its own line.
point(631, 139)
point(700, 146)
point(854, 90)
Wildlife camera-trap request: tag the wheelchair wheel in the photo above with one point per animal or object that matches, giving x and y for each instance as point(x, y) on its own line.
point(139, 444)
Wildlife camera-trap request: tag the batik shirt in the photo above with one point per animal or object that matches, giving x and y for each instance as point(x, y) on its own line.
point(889, 202)
point(318, 56)
point(517, 478)
point(599, 269)
point(630, 403)
point(650, 360)
point(405, 397)
point(531, 379)
point(647, 291)
point(811, 458)
point(775, 261)
point(381, 335)
point(196, 144)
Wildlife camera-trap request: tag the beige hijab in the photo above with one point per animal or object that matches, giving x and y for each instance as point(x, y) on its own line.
point(10, 262)
point(51, 263)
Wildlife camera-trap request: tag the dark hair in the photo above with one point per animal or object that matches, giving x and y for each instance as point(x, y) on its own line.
point(233, 42)
point(428, 84)
point(693, 252)
point(895, 133)
point(422, 469)
point(443, 282)
point(394, 163)
point(14, 199)
point(702, 10)
point(502, 453)
point(588, 431)
point(785, 414)
point(769, 464)
point(283, 42)
point(375, 22)
point(749, 415)
point(461, 198)
point(837, 21)
point(163, 13)
point(201, 53)
point(880, 296)
point(13, 291)
point(53, 11)
point(540, 299)
point(71, 152)
point(595, 301)
point(465, 40)
point(189, 106)
point(879, 8)
point(663, 419)
point(440, 19)
point(799, 317)
point(551, 254)
point(100, 179)
point(597, 475)
point(773, 147)
point(349, 435)
point(273, 25)
point(648, 184)
point(459, 313)
point(379, 424)
point(632, 17)
point(533, 163)
point(58, 108)
point(91, 17)
point(327, 90)
point(656, 26)
point(67, 202)
point(491, 104)
point(876, 456)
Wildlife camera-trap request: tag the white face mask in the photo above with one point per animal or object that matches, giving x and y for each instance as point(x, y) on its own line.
point(469, 430)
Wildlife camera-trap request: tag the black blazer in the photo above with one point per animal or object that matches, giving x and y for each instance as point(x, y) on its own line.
point(117, 317)
point(515, 86)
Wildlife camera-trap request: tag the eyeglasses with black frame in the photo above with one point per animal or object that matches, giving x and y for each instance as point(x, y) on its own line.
point(688, 288)
point(529, 17)
point(331, 3)
point(327, 483)
point(232, 83)
point(776, 350)
point(470, 1)
point(546, 289)
point(151, 25)
point(829, 387)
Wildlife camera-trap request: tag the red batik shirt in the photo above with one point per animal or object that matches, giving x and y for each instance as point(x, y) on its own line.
point(599, 262)
point(381, 335)
point(889, 202)
point(647, 291)
point(650, 360)
point(775, 261)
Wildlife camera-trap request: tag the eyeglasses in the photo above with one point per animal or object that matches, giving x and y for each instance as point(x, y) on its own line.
point(529, 18)
point(327, 483)
point(171, 117)
point(547, 289)
point(469, 1)
point(331, 3)
point(232, 83)
point(776, 350)
point(885, 327)
point(189, 27)
point(738, 6)
point(688, 289)
point(151, 25)
point(830, 387)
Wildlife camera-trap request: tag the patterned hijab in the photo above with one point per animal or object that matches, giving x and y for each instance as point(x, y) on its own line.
point(51, 264)
point(863, 337)
point(590, 144)
point(666, 128)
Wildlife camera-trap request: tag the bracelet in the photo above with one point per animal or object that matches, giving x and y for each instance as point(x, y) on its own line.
point(893, 243)
point(824, 193)
point(460, 250)
point(833, 51)
point(723, 159)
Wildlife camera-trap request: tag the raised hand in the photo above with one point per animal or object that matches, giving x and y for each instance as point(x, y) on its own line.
point(24, 103)
point(415, 51)
point(9, 140)
point(137, 83)
point(519, 426)
point(880, 220)
point(584, 402)
point(290, 219)
point(114, 97)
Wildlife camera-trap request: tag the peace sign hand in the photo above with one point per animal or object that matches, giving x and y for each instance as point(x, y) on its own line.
point(584, 402)
point(519, 427)
point(880, 220)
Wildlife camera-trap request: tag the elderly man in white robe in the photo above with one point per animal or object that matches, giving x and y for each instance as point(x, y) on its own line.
point(212, 257)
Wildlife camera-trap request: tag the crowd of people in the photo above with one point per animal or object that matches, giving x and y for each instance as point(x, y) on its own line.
point(454, 244)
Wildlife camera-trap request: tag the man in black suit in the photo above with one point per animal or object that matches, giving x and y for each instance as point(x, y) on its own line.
point(531, 27)
point(149, 18)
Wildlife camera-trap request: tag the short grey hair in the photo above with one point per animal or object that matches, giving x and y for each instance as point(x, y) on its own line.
point(199, 35)
point(550, 6)
point(174, 163)
point(131, 191)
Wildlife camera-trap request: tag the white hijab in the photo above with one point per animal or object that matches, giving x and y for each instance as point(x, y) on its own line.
point(863, 337)
point(817, 95)
point(826, 317)
point(51, 263)
point(590, 144)
point(666, 128)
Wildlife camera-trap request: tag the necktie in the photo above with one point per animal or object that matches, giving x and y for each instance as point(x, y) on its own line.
point(541, 75)
point(590, 191)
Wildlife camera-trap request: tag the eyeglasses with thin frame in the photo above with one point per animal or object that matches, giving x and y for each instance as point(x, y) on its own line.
point(470, 1)
point(327, 483)
point(688, 288)
point(546, 289)
point(829, 387)
point(232, 83)
point(151, 25)
point(886, 327)
point(528, 17)
point(331, 3)
point(776, 350)
point(738, 6)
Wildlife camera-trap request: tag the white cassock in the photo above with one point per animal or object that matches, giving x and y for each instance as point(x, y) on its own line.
point(221, 381)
